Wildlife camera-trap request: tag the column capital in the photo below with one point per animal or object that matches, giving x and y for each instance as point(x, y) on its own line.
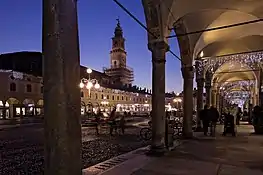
point(157, 46)
point(187, 71)
point(158, 50)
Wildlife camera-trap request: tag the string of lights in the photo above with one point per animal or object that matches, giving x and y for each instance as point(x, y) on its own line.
point(212, 64)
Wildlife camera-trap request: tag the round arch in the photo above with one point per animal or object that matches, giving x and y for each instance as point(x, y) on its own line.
point(28, 101)
point(13, 100)
point(40, 102)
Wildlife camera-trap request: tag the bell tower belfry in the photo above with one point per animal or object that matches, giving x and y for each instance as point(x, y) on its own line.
point(118, 53)
point(119, 70)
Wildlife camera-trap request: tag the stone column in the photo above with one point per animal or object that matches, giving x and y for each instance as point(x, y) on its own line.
point(200, 100)
point(61, 88)
point(188, 75)
point(158, 50)
point(208, 94)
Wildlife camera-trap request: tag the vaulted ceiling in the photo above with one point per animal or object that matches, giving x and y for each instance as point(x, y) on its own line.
point(199, 15)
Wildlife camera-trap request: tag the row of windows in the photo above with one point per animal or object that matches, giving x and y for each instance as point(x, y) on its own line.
point(13, 88)
point(95, 96)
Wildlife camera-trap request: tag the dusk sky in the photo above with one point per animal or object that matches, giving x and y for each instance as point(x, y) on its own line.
point(21, 25)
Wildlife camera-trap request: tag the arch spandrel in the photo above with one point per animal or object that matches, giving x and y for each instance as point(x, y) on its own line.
point(155, 12)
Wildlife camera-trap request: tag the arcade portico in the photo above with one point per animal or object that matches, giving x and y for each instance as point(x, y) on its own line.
point(61, 57)
point(220, 58)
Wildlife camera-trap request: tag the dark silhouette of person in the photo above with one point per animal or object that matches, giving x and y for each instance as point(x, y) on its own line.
point(122, 122)
point(205, 119)
point(97, 120)
point(112, 121)
point(238, 117)
point(214, 116)
point(229, 124)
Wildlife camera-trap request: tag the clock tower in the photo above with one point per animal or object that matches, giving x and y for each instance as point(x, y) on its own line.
point(118, 53)
point(119, 70)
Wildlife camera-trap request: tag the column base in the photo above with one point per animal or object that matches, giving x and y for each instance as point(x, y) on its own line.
point(156, 151)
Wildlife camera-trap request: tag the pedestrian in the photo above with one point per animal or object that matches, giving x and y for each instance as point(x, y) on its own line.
point(205, 119)
point(122, 122)
point(112, 121)
point(229, 124)
point(214, 116)
point(238, 115)
point(97, 120)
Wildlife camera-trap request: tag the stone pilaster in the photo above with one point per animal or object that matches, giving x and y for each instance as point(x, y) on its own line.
point(188, 75)
point(61, 91)
point(158, 50)
point(200, 100)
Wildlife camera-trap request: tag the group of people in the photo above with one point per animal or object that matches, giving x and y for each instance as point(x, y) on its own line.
point(114, 124)
point(209, 117)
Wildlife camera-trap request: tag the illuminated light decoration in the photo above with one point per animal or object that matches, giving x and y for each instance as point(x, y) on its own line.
point(89, 71)
point(97, 85)
point(211, 64)
point(81, 85)
point(247, 85)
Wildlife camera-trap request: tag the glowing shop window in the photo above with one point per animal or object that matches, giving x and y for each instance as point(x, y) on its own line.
point(18, 111)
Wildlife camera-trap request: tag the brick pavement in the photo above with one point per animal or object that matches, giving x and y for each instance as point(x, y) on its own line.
point(242, 155)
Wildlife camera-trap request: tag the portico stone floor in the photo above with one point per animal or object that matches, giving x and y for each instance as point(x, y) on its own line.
point(242, 155)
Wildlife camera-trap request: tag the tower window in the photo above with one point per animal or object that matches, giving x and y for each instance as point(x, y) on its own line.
point(41, 90)
point(12, 87)
point(28, 88)
point(115, 63)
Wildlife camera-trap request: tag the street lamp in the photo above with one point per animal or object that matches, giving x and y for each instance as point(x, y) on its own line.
point(89, 83)
point(177, 101)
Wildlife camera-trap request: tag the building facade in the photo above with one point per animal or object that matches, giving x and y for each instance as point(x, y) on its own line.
point(21, 90)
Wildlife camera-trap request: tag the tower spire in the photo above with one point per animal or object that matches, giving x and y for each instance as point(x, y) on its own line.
point(118, 30)
point(118, 22)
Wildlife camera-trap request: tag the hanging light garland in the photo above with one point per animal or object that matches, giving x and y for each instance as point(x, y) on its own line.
point(252, 60)
point(237, 84)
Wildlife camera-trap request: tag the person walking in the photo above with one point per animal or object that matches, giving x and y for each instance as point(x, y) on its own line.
point(214, 116)
point(205, 119)
point(122, 122)
point(112, 121)
point(238, 115)
point(97, 120)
